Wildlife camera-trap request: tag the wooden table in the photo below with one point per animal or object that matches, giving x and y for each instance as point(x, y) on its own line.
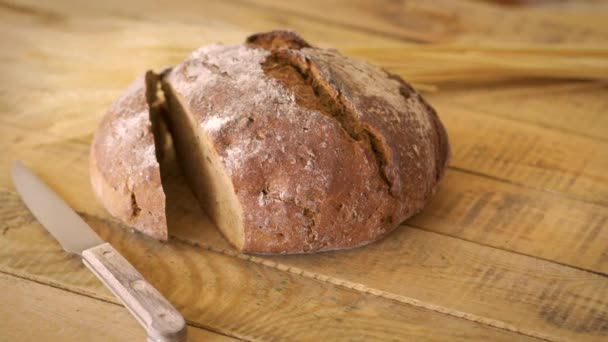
point(513, 247)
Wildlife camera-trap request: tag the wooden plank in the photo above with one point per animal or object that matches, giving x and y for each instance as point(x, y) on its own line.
point(518, 219)
point(34, 312)
point(522, 292)
point(572, 107)
point(446, 21)
point(227, 294)
point(525, 154)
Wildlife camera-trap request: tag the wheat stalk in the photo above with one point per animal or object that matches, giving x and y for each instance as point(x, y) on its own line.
point(431, 65)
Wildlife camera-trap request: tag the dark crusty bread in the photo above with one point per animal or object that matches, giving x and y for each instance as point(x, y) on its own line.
point(125, 174)
point(293, 149)
point(289, 148)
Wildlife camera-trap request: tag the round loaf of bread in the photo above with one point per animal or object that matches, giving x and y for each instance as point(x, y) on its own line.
point(294, 149)
point(289, 148)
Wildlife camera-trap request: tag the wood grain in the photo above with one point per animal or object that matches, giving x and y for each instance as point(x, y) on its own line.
point(526, 221)
point(70, 168)
point(489, 286)
point(35, 312)
point(527, 155)
point(573, 107)
point(227, 294)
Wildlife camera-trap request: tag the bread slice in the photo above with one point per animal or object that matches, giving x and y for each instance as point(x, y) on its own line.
point(124, 171)
point(203, 168)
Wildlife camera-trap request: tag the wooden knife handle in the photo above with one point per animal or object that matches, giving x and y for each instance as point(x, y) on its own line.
point(162, 321)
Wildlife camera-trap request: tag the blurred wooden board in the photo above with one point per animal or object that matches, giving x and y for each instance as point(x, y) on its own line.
point(514, 245)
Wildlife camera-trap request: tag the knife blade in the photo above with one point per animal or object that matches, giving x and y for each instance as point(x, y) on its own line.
point(52, 212)
point(161, 320)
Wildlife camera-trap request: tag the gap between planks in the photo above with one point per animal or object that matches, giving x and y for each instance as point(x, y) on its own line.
point(92, 296)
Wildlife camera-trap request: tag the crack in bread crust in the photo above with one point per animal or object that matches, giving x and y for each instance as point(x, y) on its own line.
point(135, 209)
point(327, 100)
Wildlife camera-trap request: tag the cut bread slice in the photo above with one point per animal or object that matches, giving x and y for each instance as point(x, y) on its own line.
point(124, 170)
point(203, 169)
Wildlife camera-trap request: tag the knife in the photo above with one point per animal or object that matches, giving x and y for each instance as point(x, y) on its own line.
point(163, 323)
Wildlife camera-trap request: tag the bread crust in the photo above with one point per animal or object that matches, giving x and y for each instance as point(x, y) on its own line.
point(324, 152)
point(124, 172)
